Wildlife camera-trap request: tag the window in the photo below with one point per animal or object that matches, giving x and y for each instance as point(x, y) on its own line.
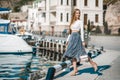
point(67, 2)
point(96, 3)
point(61, 2)
point(85, 2)
point(2, 29)
point(61, 17)
point(85, 19)
point(74, 2)
point(96, 18)
point(67, 17)
point(43, 15)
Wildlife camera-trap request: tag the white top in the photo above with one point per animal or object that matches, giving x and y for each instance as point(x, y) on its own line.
point(77, 25)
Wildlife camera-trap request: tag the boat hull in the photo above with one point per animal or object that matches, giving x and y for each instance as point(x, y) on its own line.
point(13, 44)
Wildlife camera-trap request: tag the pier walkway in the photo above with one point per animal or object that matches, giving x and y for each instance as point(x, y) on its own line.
point(108, 68)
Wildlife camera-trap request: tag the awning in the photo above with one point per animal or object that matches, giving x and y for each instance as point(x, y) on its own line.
point(5, 10)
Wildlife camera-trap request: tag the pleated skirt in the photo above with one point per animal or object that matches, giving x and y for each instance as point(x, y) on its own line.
point(75, 49)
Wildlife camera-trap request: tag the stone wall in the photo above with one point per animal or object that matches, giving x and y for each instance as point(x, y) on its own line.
point(112, 17)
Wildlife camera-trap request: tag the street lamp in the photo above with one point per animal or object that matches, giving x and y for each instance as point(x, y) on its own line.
point(39, 24)
point(31, 29)
point(52, 30)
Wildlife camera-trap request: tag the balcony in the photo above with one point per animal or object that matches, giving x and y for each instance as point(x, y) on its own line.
point(53, 23)
point(53, 8)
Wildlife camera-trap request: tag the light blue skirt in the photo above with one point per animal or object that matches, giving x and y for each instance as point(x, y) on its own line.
point(75, 48)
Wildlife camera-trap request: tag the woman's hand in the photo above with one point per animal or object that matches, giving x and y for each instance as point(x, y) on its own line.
point(83, 43)
point(67, 43)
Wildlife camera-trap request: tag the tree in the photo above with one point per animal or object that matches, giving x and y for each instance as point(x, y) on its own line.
point(16, 8)
point(106, 30)
point(98, 30)
point(88, 27)
point(20, 4)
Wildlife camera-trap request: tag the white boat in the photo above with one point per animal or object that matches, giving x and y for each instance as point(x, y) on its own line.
point(10, 43)
point(13, 44)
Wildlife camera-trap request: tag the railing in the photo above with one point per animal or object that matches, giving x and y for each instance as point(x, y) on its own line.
point(50, 33)
point(54, 49)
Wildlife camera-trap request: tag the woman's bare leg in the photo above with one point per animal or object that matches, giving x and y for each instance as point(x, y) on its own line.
point(74, 62)
point(94, 65)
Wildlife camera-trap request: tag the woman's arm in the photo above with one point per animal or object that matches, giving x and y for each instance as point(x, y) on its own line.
point(67, 39)
point(82, 31)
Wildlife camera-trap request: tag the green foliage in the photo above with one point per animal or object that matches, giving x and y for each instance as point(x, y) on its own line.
point(20, 4)
point(88, 26)
point(17, 8)
point(105, 27)
point(23, 2)
point(106, 30)
point(109, 1)
point(98, 30)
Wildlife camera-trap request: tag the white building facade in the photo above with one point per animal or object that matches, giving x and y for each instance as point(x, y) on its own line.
point(55, 15)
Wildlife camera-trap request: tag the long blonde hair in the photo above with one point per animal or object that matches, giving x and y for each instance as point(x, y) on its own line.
point(73, 19)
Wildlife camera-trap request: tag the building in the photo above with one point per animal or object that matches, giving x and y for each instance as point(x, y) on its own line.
point(18, 19)
point(55, 15)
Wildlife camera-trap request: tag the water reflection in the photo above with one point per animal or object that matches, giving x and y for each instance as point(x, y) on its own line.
point(14, 66)
point(23, 67)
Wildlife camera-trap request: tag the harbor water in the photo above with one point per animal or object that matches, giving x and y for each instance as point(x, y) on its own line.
point(23, 67)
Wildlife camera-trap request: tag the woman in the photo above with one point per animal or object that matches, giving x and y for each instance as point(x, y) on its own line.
point(76, 42)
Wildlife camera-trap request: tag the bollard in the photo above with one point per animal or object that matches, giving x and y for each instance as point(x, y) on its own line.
point(102, 48)
point(90, 54)
point(34, 50)
point(52, 70)
point(50, 74)
point(98, 51)
point(94, 53)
